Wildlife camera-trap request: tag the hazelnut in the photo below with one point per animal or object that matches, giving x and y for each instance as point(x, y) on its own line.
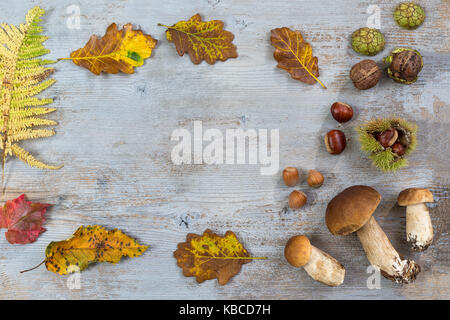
point(315, 178)
point(341, 112)
point(297, 199)
point(398, 149)
point(388, 137)
point(365, 74)
point(335, 141)
point(290, 176)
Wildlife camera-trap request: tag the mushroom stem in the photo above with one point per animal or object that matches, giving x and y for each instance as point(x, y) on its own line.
point(324, 268)
point(382, 254)
point(419, 230)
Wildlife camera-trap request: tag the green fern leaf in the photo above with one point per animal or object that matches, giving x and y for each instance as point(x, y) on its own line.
point(23, 75)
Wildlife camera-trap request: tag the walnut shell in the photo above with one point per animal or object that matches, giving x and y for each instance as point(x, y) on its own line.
point(365, 74)
point(405, 66)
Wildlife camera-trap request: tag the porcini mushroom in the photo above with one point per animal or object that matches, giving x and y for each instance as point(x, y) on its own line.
point(419, 230)
point(320, 266)
point(350, 211)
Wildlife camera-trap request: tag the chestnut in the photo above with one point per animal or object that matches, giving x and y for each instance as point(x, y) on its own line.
point(341, 112)
point(398, 149)
point(387, 138)
point(335, 141)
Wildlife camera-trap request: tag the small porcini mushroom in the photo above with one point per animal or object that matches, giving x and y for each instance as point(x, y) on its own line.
point(419, 230)
point(350, 211)
point(320, 266)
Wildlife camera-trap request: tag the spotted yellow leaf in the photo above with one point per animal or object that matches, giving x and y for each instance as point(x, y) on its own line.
point(117, 50)
point(88, 245)
point(202, 40)
point(210, 256)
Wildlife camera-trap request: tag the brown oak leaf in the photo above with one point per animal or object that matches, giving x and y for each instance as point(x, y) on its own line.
point(117, 50)
point(210, 256)
point(202, 40)
point(295, 55)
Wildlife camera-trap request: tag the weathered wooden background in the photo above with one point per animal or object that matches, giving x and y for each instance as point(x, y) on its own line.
point(114, 140)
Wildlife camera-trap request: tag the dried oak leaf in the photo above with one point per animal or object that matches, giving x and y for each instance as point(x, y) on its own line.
point(88, 245)
point(202, 40)
point(295, 55)
point(210, 256)
point(117, 50)
point(23, 219)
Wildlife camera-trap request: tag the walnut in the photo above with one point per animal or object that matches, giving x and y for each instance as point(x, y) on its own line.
point(365, 74)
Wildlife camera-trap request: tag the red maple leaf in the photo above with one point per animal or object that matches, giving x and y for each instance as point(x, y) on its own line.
point(23, 219)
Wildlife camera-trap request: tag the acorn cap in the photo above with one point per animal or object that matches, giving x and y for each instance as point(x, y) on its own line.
point(297, 251)
point(351, 209)
point(414, 196)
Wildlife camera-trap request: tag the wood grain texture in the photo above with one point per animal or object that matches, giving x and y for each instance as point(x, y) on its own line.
point(114, 139)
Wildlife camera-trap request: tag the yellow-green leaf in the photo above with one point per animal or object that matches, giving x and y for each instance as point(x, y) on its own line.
point(117, 50)
point(210, 256)
point(88, 245)
point(202, 40)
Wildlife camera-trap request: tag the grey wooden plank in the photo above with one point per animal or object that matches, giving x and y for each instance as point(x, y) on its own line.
point(114, 139)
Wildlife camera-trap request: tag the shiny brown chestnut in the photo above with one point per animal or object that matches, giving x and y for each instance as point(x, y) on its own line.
point(388, 137)
point(341, 112)
point(398, 149)
point(335, 141)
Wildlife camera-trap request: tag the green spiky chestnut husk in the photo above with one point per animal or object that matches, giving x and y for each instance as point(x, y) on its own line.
point(409, 15)
point(367, 41)
point(404, 65)
point(384, 158)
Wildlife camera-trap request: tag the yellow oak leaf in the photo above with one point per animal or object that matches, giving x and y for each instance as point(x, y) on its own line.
point(202, 40)
point(210, 256)
point(295, 55)
point(88, 245)
point(117, 50)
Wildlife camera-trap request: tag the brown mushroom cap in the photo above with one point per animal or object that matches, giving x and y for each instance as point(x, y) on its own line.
point(351, 209)
point(297, 251)
point(414, 196)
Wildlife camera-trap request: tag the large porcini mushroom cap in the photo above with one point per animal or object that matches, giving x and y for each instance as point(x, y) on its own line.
point(351, 209)
point(298, 251)
point(414, 196)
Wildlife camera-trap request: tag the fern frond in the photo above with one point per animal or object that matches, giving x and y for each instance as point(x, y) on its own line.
point(28, 112)
point(22, 76)
point(28, 134)
point(28, 158)
point(21, 123)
